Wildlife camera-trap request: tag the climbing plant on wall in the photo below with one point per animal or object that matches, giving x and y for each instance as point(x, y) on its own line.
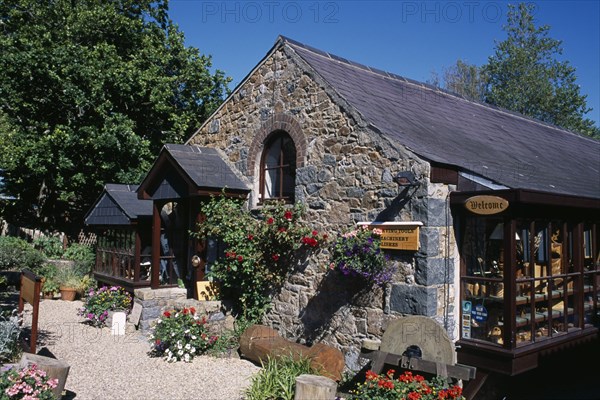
point(260, 251)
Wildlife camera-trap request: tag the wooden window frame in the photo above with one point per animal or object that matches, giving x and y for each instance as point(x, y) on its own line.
point(286, 161)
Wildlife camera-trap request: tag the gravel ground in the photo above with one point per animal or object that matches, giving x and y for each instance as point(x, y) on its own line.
point(118, 367)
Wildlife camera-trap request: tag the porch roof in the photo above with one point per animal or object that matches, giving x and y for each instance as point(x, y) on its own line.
point(118, 204)
point(189, 170)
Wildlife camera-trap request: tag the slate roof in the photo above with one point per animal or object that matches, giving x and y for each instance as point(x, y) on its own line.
point(192, 169)
point(118, 204)
point(206, 167)
point(504, 147)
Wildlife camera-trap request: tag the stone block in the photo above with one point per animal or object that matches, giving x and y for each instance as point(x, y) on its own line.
point(375, 322)
point(429, 241)
point(144, 293)
point(436, 212)
point(432, 271)
point(150, 313)
point(329, 159)
point(306, 175)
point(413, 300)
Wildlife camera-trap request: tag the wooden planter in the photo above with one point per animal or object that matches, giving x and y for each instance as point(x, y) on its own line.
point(68, 294)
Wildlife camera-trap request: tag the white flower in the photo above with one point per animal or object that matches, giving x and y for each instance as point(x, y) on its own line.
point(187, 346)
point(186, 357)
point(194, 337)
point(180, 352)
point(193, 350)
point(172, 334)
point(179, 346)
point(159, 321)
point(187, 331)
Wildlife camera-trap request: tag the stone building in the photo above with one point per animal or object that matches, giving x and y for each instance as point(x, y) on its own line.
point(494, 195)
point(355, 130)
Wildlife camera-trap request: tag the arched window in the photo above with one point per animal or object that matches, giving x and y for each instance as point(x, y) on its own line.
point(278, 168)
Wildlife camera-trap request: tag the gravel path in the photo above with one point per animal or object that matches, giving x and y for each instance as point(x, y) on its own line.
point(118, 367)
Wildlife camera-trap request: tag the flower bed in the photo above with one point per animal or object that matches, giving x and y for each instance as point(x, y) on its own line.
point(406, 386)
point(26, 383)
point(99, 302)
point(181, 335)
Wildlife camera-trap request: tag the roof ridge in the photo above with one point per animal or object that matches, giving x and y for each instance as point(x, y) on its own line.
point(427, 86)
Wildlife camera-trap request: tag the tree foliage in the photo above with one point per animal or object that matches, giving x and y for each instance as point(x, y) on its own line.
point(525, 75)
point(90, 90)
point(463, 79)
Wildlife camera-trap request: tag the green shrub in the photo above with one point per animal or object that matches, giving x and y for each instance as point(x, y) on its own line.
point(16, 254)
point(51, 246)
point(83, 256)
point(9, 337)
point(277, 379)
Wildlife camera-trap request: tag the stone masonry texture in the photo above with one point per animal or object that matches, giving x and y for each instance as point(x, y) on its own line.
point(344, 175)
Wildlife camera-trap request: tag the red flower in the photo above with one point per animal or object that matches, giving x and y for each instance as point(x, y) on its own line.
point(281, 229)
point(185, 310)
point(240, 258)
point(270, 221)
point(414, 396)
point(325, 236)
point(250, 237)
point(288, 215)
point(167, 314)
point(371, 376)
point(192, 310)
point(385, 383)
point(275, 257)
point(315, 233)
point(312, 242)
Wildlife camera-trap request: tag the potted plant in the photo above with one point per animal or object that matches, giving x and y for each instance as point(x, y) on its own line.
point(50, 287)
point(70, 282)
point(49, 283)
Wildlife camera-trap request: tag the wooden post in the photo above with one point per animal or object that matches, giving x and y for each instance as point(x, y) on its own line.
point(155, 267)
point(31, 286)
point(315, 387)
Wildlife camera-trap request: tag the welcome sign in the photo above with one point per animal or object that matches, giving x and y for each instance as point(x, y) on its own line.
point(486, 205)
point(397, 235)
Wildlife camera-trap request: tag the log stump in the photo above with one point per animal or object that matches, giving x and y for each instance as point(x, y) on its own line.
point(260, 342)
point(54, 369)
point(315, 387)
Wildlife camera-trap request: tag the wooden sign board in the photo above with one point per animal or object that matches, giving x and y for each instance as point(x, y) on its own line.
point(486, 205)
point(398, 235)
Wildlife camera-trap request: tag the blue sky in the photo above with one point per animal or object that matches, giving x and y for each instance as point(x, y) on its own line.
point(409, 38)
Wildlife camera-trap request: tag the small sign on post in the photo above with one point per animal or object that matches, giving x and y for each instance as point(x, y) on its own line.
point(31, 286)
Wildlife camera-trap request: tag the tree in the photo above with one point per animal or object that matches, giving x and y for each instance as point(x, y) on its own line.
point(90, 90)
point(463, 79)
point(524, 75)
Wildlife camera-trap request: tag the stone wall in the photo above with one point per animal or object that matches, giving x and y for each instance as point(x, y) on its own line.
point(344, 175)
